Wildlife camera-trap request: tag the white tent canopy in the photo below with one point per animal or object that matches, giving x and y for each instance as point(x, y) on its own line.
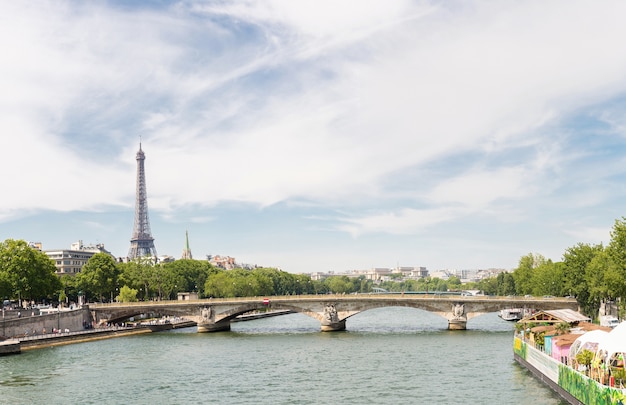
point(590, 341)
point(619, 329)
point(614, 343)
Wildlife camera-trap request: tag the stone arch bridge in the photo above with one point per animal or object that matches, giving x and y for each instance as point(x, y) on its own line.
point(331, 311)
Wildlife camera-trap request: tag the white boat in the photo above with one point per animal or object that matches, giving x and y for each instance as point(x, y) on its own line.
point(511, 314)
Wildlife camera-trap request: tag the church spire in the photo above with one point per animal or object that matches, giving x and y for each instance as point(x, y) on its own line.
point(186, 251)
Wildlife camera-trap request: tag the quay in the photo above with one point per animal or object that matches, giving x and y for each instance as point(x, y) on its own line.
point(17, 345)
point(36, 336)
point(10, 346)
point(64, 338)
point(69, 326)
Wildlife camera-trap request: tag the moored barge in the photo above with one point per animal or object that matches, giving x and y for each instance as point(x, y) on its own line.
point(551, 355)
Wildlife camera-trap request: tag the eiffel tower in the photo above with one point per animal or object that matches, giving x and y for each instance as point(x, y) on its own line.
point(142, 242)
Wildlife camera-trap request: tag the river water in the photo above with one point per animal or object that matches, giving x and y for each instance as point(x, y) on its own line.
point(387, 356)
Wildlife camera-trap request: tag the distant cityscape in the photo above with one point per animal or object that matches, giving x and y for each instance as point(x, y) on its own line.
point(69, 262)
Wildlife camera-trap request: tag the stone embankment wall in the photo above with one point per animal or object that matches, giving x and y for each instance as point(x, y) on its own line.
point(29, 325)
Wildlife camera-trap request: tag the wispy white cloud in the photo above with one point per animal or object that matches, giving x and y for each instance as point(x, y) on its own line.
point(403, 221)
point(591, 235)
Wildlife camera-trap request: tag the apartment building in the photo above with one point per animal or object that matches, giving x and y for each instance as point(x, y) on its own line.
point(71, 261)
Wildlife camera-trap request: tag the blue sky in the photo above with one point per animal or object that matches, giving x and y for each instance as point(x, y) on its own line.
point(316, 135)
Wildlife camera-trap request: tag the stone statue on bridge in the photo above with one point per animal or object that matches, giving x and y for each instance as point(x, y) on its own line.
point(330, 313)
point(458, 311)
point(206, 314)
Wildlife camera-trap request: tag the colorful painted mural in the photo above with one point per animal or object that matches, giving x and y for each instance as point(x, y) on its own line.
point(585, 389)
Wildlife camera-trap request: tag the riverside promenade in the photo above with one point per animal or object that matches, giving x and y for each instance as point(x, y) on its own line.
point(64, 338)
point(40, 338)
point(18, 344)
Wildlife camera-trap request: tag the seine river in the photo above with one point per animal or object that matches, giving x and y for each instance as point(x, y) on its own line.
point(387, 356)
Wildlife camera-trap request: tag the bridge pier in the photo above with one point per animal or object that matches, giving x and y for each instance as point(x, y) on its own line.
point(207, 323)
point(333, 326)
point(457, 318)
point(457, 324)
point(223, 326)
point(330, 319)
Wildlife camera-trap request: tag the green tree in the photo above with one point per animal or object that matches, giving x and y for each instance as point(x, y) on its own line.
point(408, 285)
point(99, 276)
point(263, 281)
point(454, 283)
point(138, 274)
point(164, 281)
point(365, 285)
point(339, 284)
point(585, 357)
point(595, 282)
point(547, 279)
point(489, 286)
point(244, 283)
point(523, 274)
point(617, 253)
point(438, 285)
point(69, 288)
point(576, 259)
point(26, 272)
point(6, 284)
point(189, 275)
point(505, 284)
point(425, 284)
point(219, 285)
point(563, 328)
point(127, 294)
